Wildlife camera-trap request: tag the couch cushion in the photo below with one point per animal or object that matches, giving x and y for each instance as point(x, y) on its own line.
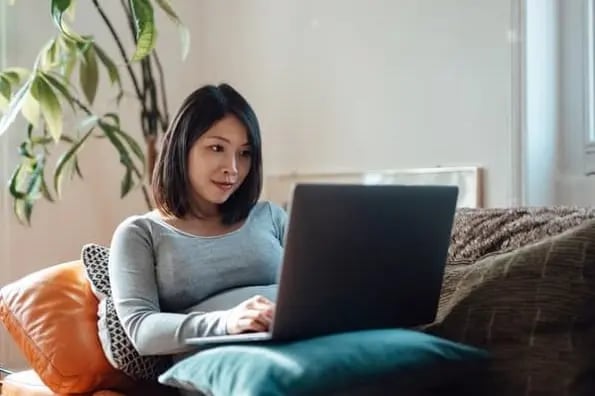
point(52, 317)
point(478, 232)
point(533, 309)
point(319, 365)
point(115, 343)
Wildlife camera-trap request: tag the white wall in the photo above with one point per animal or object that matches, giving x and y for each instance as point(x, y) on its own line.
point(337, 84)
point(378, 84)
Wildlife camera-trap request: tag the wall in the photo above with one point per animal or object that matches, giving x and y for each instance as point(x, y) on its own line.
point(355, 85)
point(340, 85)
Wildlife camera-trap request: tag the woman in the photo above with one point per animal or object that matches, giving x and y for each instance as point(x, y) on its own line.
point(208, 234)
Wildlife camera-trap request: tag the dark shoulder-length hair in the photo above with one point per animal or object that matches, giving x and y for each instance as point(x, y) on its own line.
point(199, 112)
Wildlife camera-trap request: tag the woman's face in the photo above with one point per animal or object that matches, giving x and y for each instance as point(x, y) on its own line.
point(219, 162)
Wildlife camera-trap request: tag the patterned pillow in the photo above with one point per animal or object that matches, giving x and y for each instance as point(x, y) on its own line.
point(115, 343)
point(532, 308)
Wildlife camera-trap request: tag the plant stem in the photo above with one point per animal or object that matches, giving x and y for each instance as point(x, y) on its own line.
point(81, 105)
point(151, 89)
point(165, 114)
point(150, 112)
point(120, 47)
point(140, 95)
point(129, 19)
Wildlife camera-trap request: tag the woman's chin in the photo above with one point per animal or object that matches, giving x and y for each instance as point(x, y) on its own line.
point(220, 197)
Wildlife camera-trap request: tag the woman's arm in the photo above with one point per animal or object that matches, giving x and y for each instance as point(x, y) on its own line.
point(134, 290)
point(279, 216)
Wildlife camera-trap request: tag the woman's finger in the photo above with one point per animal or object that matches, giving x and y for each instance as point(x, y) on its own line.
point(261, 307)
point(258, 316)
point(260, 299)
point(251, 324)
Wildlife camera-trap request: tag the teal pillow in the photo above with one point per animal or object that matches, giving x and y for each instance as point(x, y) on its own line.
point(322, 364)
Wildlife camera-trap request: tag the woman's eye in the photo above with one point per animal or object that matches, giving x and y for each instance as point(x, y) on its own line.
point(246, 153)
point(216, 148)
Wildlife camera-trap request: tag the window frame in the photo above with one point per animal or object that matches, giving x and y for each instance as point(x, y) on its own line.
point(589, 87)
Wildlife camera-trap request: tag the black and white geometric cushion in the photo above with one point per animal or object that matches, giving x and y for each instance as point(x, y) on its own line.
point(116, 345)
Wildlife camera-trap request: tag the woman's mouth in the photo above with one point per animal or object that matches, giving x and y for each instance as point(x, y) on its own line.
point(224, 186)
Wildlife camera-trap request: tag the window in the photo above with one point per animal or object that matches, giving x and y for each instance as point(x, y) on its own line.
point(589, 52)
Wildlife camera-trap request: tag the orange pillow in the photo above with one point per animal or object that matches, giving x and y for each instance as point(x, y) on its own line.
point(52, 316)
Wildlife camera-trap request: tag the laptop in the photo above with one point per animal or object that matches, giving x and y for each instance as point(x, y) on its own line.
point(358, 257)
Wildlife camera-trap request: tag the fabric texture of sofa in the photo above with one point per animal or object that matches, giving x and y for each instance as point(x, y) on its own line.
point(518, 282)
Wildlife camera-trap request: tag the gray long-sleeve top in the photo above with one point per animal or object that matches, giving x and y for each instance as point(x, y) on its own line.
point(157, 272)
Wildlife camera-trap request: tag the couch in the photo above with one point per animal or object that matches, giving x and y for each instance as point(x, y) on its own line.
point(518, 282)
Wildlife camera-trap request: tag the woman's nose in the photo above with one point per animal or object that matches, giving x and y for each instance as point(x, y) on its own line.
point(231, 165)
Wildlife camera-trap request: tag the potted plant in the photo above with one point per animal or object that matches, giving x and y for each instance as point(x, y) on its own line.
point(50, 89)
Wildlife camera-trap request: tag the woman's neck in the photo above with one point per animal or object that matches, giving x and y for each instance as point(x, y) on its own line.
point(203, 210)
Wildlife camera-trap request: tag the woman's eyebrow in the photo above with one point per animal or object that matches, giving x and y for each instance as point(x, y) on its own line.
point(225, 139)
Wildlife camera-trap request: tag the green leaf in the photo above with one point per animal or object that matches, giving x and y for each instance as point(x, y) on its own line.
point(13, 183)
point(9, 78)
point(71, 11)
point(31, 110)
point(64, 160)
point(89, 74)
point(34, 182)
point(16, 74)
point(15, 105)
point(3, 104)
point(29, 173)
point(5, 88)
point(60, 86)
point(28, 206)
point(114, 117)
point(69, 56)
point(127, 183)
point(146, 33)
point(112, 135)
point(30, 131)
point(184, 34)
point(112, 70)
point(45, 191)
point(35, 179)
point(50, 107)
point(125, 159)
point(58, 8)
point(183, 31)
point(42, 140)
point(77, 168)
point(134, 146)
point(25, 150)
point(19, 210)
point(50, 55)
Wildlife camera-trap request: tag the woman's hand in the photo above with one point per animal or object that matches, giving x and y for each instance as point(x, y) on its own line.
point(254, 314)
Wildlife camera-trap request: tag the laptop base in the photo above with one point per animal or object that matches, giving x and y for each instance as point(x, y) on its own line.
point(230, 339)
